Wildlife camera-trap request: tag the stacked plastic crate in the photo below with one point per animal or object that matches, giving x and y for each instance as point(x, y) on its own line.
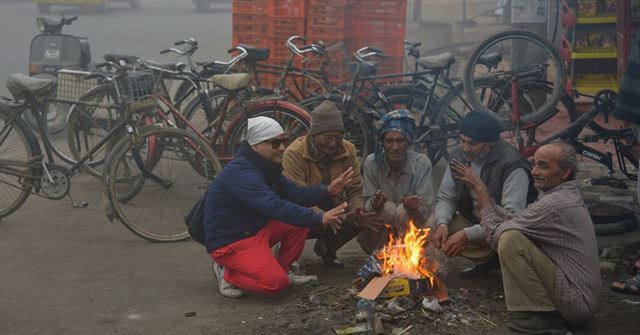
point(285, 18)
point(249, 22)
point(382, 24)
point(331, 21)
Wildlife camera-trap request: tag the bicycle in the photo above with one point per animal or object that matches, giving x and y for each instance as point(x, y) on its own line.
point(143, 150)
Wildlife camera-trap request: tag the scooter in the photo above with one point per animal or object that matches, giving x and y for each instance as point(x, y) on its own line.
point(51, 51)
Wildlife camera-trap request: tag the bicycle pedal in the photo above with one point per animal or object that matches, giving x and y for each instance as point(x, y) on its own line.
point(80, 204)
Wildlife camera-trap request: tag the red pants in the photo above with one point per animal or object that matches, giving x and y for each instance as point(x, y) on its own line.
point(250, 265)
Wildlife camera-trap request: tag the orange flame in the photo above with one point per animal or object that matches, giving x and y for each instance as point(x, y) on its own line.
point(404, 256)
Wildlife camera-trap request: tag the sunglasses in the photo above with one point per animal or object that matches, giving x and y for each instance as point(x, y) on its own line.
point(277, 142)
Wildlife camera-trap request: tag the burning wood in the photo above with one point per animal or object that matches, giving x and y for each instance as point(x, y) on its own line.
point(401, 268)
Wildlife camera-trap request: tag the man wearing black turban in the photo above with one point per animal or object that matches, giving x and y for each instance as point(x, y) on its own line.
point(507, 175)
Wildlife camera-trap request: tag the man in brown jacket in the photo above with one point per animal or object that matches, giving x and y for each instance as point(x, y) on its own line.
point(321, 156)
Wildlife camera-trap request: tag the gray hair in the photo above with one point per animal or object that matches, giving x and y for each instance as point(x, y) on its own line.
point(567, 158)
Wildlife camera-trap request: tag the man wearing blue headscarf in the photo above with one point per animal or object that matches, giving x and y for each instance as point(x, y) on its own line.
point(397, 181)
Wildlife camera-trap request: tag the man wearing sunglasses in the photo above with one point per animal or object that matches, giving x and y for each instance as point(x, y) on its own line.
point(319, 157)
point(251, 206)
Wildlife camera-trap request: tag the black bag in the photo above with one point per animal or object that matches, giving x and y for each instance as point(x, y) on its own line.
point(195, 220)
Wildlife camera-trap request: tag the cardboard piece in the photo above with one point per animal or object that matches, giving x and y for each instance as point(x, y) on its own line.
point(374, 288)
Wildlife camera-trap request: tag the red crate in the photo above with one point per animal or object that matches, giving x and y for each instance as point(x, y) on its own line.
point(390, 47)
point(333, 21)
point(329, 33)
point(286, 8)
point(387, 28)
point(388, 9)
point(285, 27)
point(393, 64)
point(332, 2)
point(330, 10)
point(249, 24)
point(250, 39)
point(248, 6)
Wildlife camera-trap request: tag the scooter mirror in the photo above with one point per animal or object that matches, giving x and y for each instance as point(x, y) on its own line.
point(41, 24)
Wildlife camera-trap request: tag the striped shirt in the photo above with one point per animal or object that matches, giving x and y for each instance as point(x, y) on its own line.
point(559, 224)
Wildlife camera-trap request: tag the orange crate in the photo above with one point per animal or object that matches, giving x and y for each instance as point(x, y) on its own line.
point(386, 28)
point(333, 21)
point(249, 23)
point(392, 64)
point(332, 2)
point(382, 8)
point(329, 33)
point(330, 10)
point(248, 6)
point(285, 27)
point(286, 8)
point(250, 39)
point(390, 47)
point(278, 50)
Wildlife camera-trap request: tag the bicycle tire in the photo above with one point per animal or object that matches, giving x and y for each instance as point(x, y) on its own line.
point(19, 143)
point(558, 73)
point(358, 126)
point(87, 125)
point(616, 228)
point(157, 211)
point(294, 124)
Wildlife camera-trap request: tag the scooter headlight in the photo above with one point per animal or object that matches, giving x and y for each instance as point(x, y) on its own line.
point(40, 23)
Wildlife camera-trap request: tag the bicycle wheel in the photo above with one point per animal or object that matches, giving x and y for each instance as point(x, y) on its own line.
point(442, 133)
point(18, 146)
point(88, 125)
point(55, 115)
point(358, 126)
point(294, 124)
point(170, 168)
point(519, 50)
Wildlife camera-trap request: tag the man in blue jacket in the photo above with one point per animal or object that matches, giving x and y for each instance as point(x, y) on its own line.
point(251, 206)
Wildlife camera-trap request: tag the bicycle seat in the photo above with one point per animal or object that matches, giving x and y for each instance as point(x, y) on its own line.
point(490, 60)
point(169, 66)
point(366, 69)
point(255, 54)
point(115, 58)
point(231, 82)
point(21, 86)
point(436, 62)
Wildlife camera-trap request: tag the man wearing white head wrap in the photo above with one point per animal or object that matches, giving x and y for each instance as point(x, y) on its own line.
point(262, 128)
point(251, 206)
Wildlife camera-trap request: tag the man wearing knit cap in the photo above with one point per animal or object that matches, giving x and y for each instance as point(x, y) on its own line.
point(505, 172)
point(251, 206)
point(397, 181)
point(319, 157)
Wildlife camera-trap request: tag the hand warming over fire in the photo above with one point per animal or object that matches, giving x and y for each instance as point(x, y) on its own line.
point(378, 200)
point(333, 217)
point(466, 175)
point(440, 236)
point(368, 220)
point(455, 244)
point(413, 205)
point(338, 184)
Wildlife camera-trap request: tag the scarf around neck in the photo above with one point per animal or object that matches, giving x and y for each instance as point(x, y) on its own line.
point(270, 171)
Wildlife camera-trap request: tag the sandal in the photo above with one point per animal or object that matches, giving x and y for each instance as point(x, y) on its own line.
point(631, 286)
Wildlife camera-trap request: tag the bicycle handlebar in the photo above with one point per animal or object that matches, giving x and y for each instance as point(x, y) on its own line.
point(365, 52)
point(315, 48)
point(68, 21)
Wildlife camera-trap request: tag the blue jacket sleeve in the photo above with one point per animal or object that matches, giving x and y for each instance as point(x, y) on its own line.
point(253, 192)
point(303, 196)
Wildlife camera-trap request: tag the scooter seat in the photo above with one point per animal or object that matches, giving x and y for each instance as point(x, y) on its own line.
point(116, 58)
point(22, 86)
point(490, 60)
point(231, 82)
point(436, 62)
point(255, 54)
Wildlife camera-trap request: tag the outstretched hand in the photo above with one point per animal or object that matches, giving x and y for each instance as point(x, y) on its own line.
point(333, 218)
point(338, 184)
point(368, 220)
point(466, 175)
point(378, 199)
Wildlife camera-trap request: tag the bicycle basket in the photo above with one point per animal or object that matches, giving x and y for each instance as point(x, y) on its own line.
point(72, 85)
point(138, 84)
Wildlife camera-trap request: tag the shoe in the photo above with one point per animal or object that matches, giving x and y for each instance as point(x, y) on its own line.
point(537, 322)
point(300, 278)
point(492, 264)
point(225, 288)
point(329, 259)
